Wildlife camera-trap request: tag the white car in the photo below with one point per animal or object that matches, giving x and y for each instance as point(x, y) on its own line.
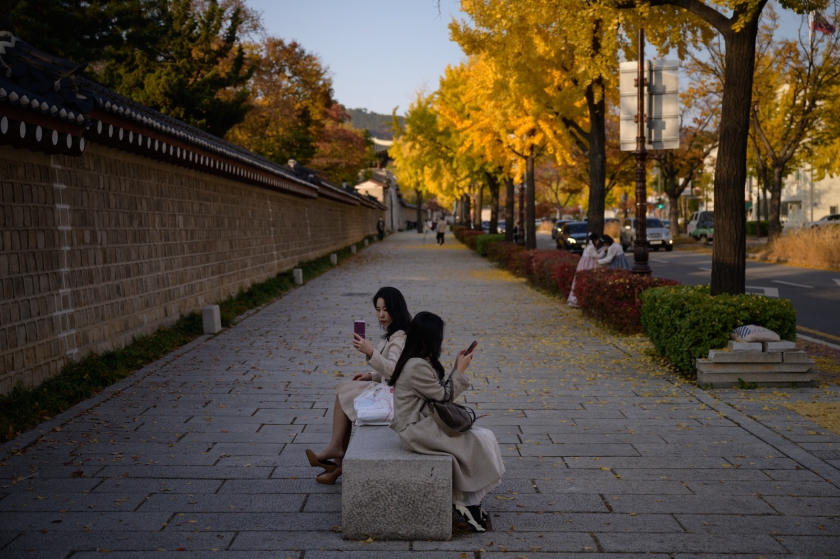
point(832, 219)
point(658, 235)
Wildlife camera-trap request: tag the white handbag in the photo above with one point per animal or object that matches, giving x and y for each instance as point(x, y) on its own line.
point(375, 406)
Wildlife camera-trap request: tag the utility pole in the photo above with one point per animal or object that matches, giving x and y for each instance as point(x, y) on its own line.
point(640, 245)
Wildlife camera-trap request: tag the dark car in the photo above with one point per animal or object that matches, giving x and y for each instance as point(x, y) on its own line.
point(557, 227)
point(572, 237)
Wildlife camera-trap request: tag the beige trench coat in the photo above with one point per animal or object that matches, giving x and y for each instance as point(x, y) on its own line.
point(478, 460)
point(383, 361)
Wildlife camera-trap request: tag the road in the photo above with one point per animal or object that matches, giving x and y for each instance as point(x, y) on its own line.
point(815, 294)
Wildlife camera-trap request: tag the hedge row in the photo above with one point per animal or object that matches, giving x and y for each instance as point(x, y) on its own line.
point(685, 322)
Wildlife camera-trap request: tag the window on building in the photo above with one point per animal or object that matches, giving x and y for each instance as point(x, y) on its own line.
point(832, 210)
point(784, 209)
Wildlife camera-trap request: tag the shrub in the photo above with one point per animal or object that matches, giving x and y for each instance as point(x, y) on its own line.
point(612, 296)
point(457, 229)
point(522, 266)
point(483, 242)
point(684, 322)
point(504, 253)
point(765, 225)
point(543, 263)
point(468, 237)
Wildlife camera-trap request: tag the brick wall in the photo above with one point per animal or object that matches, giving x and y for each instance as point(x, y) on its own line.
point(98, 249)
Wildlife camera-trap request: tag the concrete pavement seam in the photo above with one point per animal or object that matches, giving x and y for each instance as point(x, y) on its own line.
point(763, 433)
point(32, 436)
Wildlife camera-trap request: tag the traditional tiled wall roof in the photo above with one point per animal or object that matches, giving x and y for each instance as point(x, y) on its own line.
point(45, 105)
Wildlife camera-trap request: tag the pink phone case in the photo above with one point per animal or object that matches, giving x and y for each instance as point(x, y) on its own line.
point(359, 328)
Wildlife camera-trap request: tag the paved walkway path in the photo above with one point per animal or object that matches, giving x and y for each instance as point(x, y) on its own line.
point(607, 454)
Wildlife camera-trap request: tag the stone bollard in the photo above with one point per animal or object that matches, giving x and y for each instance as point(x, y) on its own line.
point(298, 273)
point(334, 259)
point(211, 319)
point(352, 249)
point(366, 242)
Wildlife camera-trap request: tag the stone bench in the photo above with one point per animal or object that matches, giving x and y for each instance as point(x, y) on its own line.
point(389, 493)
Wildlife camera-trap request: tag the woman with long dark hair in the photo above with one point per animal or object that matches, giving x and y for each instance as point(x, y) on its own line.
point(393, 316)
point(419, 377)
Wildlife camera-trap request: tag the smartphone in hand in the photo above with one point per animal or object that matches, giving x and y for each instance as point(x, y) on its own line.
point(359, 328)
point(471, 348)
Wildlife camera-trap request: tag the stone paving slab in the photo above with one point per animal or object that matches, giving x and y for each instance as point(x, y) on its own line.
point(608, 454)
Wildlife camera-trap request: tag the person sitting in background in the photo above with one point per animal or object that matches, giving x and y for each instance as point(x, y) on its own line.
point(614, 259)
point(588, 260)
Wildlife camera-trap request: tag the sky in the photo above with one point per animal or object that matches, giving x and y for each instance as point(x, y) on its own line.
point(382, 52)
point(379, 52)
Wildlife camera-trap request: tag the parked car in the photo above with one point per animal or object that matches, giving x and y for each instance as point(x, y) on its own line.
point(832, 219)
point(704, 230)
point(658, 235)
point(572, 237)
point(558, 226)
point(692, 223)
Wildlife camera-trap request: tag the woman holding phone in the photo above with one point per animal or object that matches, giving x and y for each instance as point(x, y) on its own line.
point(393, 316)
point(418, 377)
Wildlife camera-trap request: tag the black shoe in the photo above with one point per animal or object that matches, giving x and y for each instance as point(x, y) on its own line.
point(472, 514)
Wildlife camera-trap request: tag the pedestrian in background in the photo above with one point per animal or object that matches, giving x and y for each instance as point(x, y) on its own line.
point(441, 230)
point(614, 259)
point(588, 260)
point(380, 228)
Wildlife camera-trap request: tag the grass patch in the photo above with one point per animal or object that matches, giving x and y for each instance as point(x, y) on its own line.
point(26, 407)
point(813, 248)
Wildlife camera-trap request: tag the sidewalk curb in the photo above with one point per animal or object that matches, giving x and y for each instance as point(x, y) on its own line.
point(32, 436)
point(823, 469)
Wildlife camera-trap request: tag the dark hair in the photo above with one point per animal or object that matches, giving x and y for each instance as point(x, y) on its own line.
point(423, 340)
point(607, 239)
point(397, 309)
point(593, 237)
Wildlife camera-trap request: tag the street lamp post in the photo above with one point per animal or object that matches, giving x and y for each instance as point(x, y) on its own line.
point(640, 245)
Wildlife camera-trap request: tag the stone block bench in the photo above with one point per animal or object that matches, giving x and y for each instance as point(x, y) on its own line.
point(765, 364)
point(389, 493)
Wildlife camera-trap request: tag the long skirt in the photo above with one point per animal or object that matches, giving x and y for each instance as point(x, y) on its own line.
point(619, 263)
point(347, 392)
point(586, 263)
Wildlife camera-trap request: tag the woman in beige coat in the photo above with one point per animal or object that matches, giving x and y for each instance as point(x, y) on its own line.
point(418, 377)
point(393, 316)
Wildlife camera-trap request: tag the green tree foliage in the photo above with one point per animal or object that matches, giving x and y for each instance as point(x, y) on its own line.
point(196, 71)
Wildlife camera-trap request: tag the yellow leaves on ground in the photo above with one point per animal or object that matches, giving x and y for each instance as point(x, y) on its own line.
point(824, 414)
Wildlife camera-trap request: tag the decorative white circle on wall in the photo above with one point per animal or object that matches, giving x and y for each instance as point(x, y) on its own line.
point(22, 129)
point(4, 125)
point(38, 133)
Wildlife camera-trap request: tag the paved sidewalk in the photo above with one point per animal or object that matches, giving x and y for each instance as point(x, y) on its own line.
point(607, 454)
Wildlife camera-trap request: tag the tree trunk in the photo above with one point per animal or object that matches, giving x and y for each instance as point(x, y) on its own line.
point(730, 252)
point(774, 228)
point(467, 210)
point(479, 204)
point(531, 202)
point(509, 209)
point(673, 190)
point(419, 210)
point(597, 160)
point(493, 185)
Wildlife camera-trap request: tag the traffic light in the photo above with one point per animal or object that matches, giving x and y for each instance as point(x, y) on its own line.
point(659, 205)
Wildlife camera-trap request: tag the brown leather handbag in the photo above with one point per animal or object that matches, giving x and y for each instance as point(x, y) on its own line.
point(453, 419)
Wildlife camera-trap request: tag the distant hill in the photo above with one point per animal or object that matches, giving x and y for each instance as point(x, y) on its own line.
point(377, 124)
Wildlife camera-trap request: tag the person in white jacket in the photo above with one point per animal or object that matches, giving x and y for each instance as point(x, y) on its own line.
point(614, 259)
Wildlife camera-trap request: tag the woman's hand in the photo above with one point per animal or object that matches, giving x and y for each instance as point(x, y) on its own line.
point(463, 361)
point(363, 376)
point(362, 345)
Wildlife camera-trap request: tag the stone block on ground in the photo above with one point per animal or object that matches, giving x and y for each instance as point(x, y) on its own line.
point(366, 242)
point(390, 493)
point(744, 346)
point(298, 273)
point(334, 259)
point(778, 346)
point(722, 375)
point(211, 319)
point(352, 249)
point(794, 357)
point(719, 356)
